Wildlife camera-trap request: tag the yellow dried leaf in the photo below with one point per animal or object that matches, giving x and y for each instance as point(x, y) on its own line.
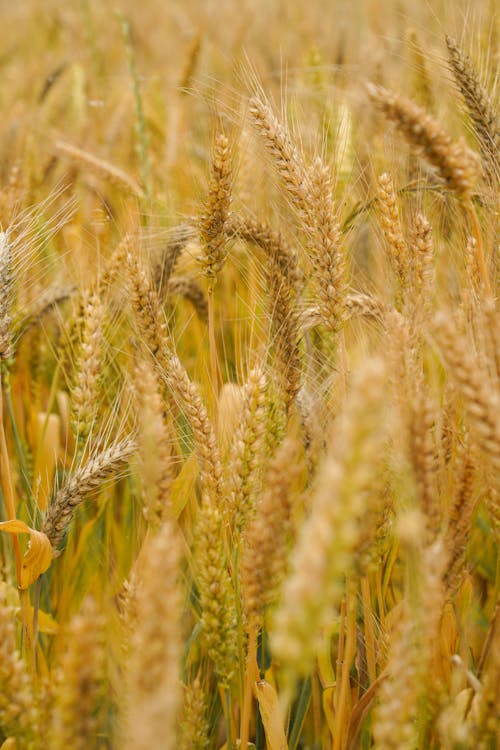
point(46, 623)
point(271, 715)
point(37, 557)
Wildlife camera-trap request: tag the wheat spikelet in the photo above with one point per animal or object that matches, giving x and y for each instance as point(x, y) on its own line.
point(267, 538)
point(102, 168)
point(194, 727)
point(146, 306)
point(18, 714)
point(5, 296)
point(424, 458)
point(393, 231)
point(327, 254)
point(30, 317)
point(153, 440)
point(455, 163)
point(459, 521)
point(77, 718)
point(284, 154)
point(153, 670)
point(150, 320)
point(482, 402)
point(187, 287)
point(85, 395)
point(191, 402)
point(213, 223)
point(163, 267)
point(247, 455)
point(271, 242)
point(394, 718)
point(481, 109)
point(423, 261)
point(87, 478)
point(217, 597)
point(327, 545)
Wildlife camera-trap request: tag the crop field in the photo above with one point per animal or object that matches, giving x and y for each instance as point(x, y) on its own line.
point(249, 375)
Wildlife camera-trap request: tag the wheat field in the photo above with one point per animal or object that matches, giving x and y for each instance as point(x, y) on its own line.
point(250, 375)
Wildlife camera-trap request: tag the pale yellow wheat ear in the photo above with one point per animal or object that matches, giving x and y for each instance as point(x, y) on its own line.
point(214, 237)
point(268, 536)
point(247, 453)
point(153, 669)
point(219, 621)
point(454, 161)
point(153, 441)
point(481, 400)
point(78, 714)
point(213, 222)
point(194, 727)
point(328, 541)
point(184, 393)
point(284, 154)
point(85, 391)
point(112, 174)
point(5, 296)
point(390, 221)
point(87, 478)
point(18, 712)
point(325, 246)
point(485, 118)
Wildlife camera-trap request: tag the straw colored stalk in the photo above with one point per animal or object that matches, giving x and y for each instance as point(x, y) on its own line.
point(78, 715)
point(153, 670)
point(86, 479)
point(423, 453)
point(327, 547)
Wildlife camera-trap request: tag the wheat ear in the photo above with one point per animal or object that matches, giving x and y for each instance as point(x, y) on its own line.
point(481, 109)
point(153, 670)
point(87, 478)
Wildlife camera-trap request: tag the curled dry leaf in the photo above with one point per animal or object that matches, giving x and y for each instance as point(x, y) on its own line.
point(271, 715)
point(37, 557)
